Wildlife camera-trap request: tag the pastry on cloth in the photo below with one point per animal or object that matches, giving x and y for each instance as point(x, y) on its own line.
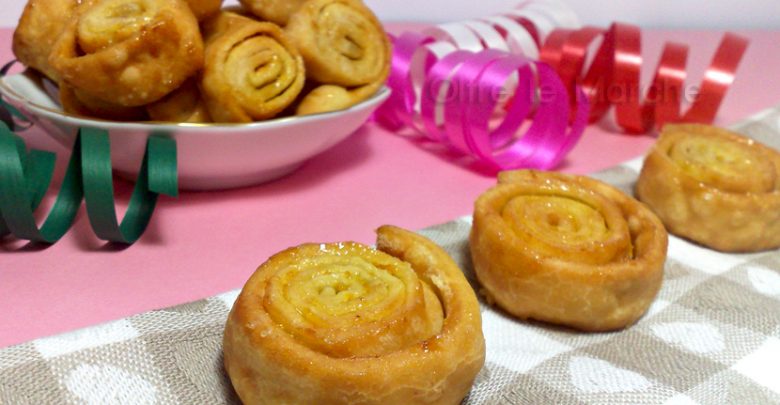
point(275, 11)
point(40, 25)
point(714, 187)
point(184, 104)
point(80, 104)
point(346, 50)
point(568, 250)
point(252, 72)
point(344, 323)
point(129, 52)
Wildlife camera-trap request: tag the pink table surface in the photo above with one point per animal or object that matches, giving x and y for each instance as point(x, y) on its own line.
point(202, 244)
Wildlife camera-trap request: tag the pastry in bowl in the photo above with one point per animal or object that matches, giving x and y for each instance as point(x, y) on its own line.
point(40, 25)
point(128, 52)
point(252, 71)
point(344, 323)
point(714, 187)
point(568, 250)
point(346, 50)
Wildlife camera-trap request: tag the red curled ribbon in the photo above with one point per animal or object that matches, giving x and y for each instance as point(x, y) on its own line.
point(613, 77)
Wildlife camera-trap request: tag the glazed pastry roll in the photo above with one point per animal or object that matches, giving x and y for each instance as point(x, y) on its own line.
point(184, 104)
point(252, 72)
point(714, 187)
point(41, 23)
point(129, 52)
point(567, 250)
point(275, 11)
point(80, 104)
point(345, 49)
point(344, 323)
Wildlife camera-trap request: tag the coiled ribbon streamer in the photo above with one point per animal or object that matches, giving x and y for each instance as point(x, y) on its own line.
point(447, 84)
point(459, 95)
point(613, 77)
point(435, 76)
point(25, 177)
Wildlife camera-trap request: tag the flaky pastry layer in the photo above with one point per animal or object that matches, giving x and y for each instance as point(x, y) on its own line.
point(184, 104)
point(40, 25)
point(275, 11)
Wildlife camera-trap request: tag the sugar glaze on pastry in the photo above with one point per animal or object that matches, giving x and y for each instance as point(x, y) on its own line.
point(566, 249)
point(714, 187)
point(344, 323)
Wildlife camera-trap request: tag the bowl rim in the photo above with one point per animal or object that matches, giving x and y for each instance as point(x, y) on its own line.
point(7, 90)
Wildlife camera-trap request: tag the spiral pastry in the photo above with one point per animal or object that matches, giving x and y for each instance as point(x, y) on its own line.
point(251, 71)
point(567, 250)
point(714, 187)
point(40, 25)
point(344, 323)
point(184, 104)
point(345, 49)
point(129, 52)
point(275, 11)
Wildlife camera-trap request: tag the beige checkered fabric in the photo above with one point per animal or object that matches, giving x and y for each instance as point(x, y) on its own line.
point(711, 337)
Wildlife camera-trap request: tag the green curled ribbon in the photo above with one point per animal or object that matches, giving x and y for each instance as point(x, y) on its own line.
point(25, 177)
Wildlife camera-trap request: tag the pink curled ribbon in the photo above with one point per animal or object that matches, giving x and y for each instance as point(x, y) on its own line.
point(452, 83)
point(457, 97)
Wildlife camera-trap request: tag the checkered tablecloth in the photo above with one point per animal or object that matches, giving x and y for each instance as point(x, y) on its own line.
point(712, 337)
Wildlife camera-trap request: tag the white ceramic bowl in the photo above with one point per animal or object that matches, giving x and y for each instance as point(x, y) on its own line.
point(211, 156)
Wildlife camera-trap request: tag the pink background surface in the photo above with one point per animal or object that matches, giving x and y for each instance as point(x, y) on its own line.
point(202, 244)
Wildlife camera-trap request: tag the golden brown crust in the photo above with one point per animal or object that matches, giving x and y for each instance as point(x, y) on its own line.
point(40, 25)
point(567, 250)
point(275, 11)
point(343, 323)
point(184, 104)
point(222, 22)
point(77, 103)
point(345, 49)
point(714, 187)
point(251, 72)
point(129, 52)
point(203, 9)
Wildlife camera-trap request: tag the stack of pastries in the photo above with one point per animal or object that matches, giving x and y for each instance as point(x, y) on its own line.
point(191, 61)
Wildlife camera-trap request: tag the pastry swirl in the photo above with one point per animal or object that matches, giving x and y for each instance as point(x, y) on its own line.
point(714, 187)
point(251, 71)
point(345, 323)
point(129, 52)
point(567, 250)
point(346, 50)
